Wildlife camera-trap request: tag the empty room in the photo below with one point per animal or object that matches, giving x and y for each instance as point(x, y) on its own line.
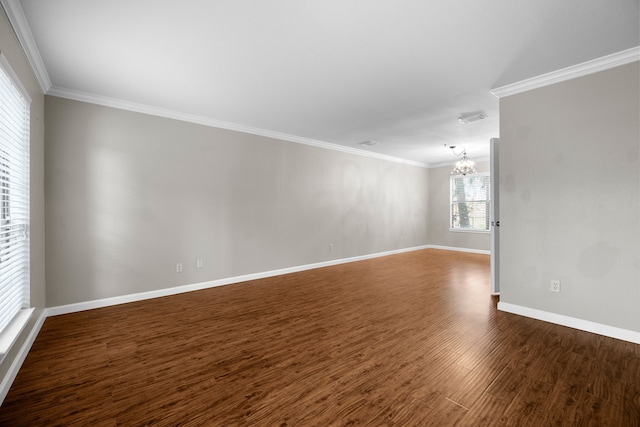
point(320, 213)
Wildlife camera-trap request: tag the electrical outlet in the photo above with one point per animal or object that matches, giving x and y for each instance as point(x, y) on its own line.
point(330, 247)
point(555, 286)
point(199, 263)
point(179, 267)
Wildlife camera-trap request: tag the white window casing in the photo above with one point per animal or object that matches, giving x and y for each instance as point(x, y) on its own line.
point(470, 203)
point(14, 206)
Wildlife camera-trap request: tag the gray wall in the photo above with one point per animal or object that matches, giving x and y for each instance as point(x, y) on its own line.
point(12, 50)
point(129, 195)
point(570, 199)
point(438, 226)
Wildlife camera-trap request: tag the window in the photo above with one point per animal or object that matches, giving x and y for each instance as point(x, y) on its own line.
point(470, 207)
point(14, 202)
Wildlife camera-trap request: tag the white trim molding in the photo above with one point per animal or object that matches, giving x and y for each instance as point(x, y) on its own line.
point(207, 121)
point(23, 32)
point(571, 322)
point(14, 329)
point(453, 248)
point(123, 299)
point(589, 67)
point(4, 64)
point(105, 302)
point(12, 372)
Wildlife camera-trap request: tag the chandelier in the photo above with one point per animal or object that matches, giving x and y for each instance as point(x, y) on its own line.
point(464, 166)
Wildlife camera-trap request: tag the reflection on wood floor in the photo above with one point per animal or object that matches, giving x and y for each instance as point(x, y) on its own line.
point(406, 340)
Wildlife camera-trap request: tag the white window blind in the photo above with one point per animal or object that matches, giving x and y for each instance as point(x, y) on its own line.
point(470, 207)
point(14, 196)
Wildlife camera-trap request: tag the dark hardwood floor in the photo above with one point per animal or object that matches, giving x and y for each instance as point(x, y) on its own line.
point(406, 340)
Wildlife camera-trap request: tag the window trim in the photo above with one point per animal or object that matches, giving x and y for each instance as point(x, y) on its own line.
point(10, 333)
point(14, 78)
point(469, 230)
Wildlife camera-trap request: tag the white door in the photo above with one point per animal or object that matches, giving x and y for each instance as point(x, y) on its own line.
point(495, 217)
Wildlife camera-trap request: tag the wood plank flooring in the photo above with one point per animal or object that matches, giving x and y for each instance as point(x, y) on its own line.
point(406, 340)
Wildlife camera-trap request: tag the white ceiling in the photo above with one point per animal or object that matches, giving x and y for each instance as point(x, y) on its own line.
point(339, 71)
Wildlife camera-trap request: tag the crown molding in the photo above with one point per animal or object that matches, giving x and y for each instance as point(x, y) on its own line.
point(589, 67)
point(206, 121)
point(22, 30)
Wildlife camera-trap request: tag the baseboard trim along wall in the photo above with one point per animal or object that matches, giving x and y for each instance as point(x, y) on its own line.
point(453, 248)
point(571, 322)
point(12, 372)
point(105, 302)
point(584, 325)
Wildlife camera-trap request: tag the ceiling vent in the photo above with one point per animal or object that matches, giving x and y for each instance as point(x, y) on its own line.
point(472, 117)
point(369, 143)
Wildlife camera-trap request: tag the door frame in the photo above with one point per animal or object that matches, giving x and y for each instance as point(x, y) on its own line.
point(495, 215)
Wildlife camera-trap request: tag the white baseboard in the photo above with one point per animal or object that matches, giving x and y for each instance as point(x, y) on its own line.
point(453, 248)
point(105, 302)
point(12, 372)
point(584, 325)
point(572, 322)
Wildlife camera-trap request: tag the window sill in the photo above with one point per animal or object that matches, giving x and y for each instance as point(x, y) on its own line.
point(457, 230)
point(11, 333)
